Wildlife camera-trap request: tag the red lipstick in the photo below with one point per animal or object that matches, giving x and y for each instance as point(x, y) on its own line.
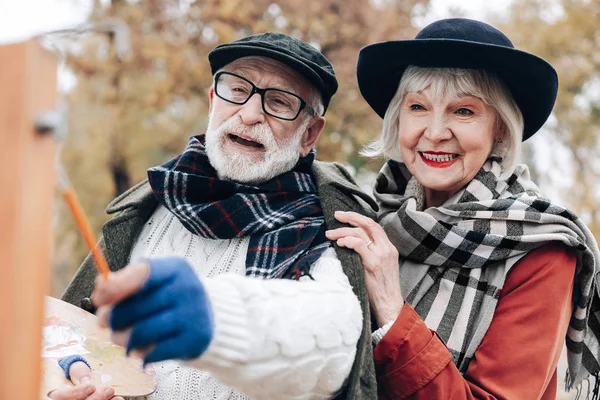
point(437, 164)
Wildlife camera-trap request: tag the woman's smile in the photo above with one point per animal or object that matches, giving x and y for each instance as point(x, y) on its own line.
point(444, 140)
point(437, 159)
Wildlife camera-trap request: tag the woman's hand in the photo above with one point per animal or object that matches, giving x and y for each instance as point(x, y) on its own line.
point(379, 259)
point(83, 389)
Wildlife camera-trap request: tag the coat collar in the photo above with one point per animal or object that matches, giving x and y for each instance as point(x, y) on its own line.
point(139, 196)
point(333, 177)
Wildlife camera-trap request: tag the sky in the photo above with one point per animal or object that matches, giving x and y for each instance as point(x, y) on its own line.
point(22, 19)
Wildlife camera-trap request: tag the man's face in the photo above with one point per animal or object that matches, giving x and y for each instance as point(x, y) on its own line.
point(247, 145)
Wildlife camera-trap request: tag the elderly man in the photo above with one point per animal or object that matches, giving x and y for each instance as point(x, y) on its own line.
point(252, 300)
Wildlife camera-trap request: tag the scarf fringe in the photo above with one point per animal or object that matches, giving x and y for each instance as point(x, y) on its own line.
point(595, 392)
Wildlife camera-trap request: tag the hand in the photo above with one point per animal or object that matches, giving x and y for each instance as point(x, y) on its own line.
point(379, 259)
point(160, 309)
point(83, 389)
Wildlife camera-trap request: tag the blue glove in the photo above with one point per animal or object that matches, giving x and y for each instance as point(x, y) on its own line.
point(171, 311)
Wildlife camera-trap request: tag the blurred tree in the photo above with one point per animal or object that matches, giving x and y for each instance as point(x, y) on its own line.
point(127, 115)
point(565, 33)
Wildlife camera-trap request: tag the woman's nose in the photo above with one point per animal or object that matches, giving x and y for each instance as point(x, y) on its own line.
point(437, 129)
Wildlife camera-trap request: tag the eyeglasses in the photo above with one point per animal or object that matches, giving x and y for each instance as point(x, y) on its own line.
point(275, 102)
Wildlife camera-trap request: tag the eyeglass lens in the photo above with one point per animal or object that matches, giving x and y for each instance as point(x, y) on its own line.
point(275, 102)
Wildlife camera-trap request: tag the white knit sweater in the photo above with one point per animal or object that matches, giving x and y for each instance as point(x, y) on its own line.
point(274, 339)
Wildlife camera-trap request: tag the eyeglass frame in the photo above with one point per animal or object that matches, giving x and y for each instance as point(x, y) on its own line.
point(255, 89)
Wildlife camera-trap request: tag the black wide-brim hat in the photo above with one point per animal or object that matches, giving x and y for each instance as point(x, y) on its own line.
point(460, 43)
point(293, 52)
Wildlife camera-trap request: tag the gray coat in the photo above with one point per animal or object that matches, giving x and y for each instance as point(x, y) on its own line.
point(337, 191)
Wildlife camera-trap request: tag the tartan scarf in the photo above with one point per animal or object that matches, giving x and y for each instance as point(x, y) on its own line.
point(455, 257)
point(282, 216)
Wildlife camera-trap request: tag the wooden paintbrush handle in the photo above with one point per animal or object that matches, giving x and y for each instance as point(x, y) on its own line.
point(86, 231)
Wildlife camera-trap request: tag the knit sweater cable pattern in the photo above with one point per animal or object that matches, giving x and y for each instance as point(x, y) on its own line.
point(274, 339)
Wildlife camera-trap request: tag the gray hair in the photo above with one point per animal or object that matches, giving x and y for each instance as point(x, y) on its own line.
point(315, 100)
point(455, 82)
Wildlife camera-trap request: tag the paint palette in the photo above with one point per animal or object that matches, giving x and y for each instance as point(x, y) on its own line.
point(69, 330)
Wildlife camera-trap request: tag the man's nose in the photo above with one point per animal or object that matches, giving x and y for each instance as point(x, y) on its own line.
point(252, 112)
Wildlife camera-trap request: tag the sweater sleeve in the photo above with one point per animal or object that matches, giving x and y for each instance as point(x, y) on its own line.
point(283, 339)
point(518, 356)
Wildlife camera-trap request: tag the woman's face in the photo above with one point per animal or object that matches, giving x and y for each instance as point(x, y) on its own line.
point(444, 142)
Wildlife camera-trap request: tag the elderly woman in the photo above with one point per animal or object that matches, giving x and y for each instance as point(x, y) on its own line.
point(475, 280)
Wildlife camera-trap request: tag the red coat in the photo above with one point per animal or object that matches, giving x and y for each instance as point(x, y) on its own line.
point(518, 356)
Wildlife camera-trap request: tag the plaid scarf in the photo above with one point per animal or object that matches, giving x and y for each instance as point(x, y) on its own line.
point(283, 216)
point(456, 256)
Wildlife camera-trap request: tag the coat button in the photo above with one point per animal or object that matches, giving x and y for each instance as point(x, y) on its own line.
point(86, 304)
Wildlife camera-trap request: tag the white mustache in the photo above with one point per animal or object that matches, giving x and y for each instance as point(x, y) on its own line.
point(249, 167)
point(260, 133)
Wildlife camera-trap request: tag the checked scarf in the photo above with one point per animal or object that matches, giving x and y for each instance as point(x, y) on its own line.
point(283, 216)
point(455, 257)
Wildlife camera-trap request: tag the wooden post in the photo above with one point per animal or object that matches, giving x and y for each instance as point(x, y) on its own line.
point(27, 88)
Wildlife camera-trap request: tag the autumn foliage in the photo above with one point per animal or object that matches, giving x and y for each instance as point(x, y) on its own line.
point(127, 115)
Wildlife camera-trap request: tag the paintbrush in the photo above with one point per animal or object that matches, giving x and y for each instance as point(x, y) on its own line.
point(82, 222)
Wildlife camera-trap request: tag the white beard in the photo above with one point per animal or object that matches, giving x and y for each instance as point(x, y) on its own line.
point(241, 166)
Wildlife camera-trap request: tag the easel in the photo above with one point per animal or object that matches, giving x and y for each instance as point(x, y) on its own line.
point(27, 184)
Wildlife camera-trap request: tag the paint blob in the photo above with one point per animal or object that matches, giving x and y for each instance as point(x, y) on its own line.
point(104, 351)
point(69, 330)
point(61, 339)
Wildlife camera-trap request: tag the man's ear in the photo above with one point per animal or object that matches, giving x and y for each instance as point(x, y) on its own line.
point(310, 136)
point(211, 96)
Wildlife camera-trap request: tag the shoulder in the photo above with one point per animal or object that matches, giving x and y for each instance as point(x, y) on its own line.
point(551, 266)
point(137, 196)
point(338, 190)
point(332, 171)
point(551, 259)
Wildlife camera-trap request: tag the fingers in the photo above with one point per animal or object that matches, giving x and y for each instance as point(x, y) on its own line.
point(103, 315)
point(353, 238)
point(335, 234)
point(79, 392)
point(153, 330)
point(359, 245)
point(83, 392)
point(163, 351)
point(120, 338)
point(140, 339)
point(102, 393)
point(129, 311)
point(141, 354)
point(120, 285)
point(372, 228)
point(80, 373)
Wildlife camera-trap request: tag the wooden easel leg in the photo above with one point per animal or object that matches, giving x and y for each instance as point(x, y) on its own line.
point(28, 82)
